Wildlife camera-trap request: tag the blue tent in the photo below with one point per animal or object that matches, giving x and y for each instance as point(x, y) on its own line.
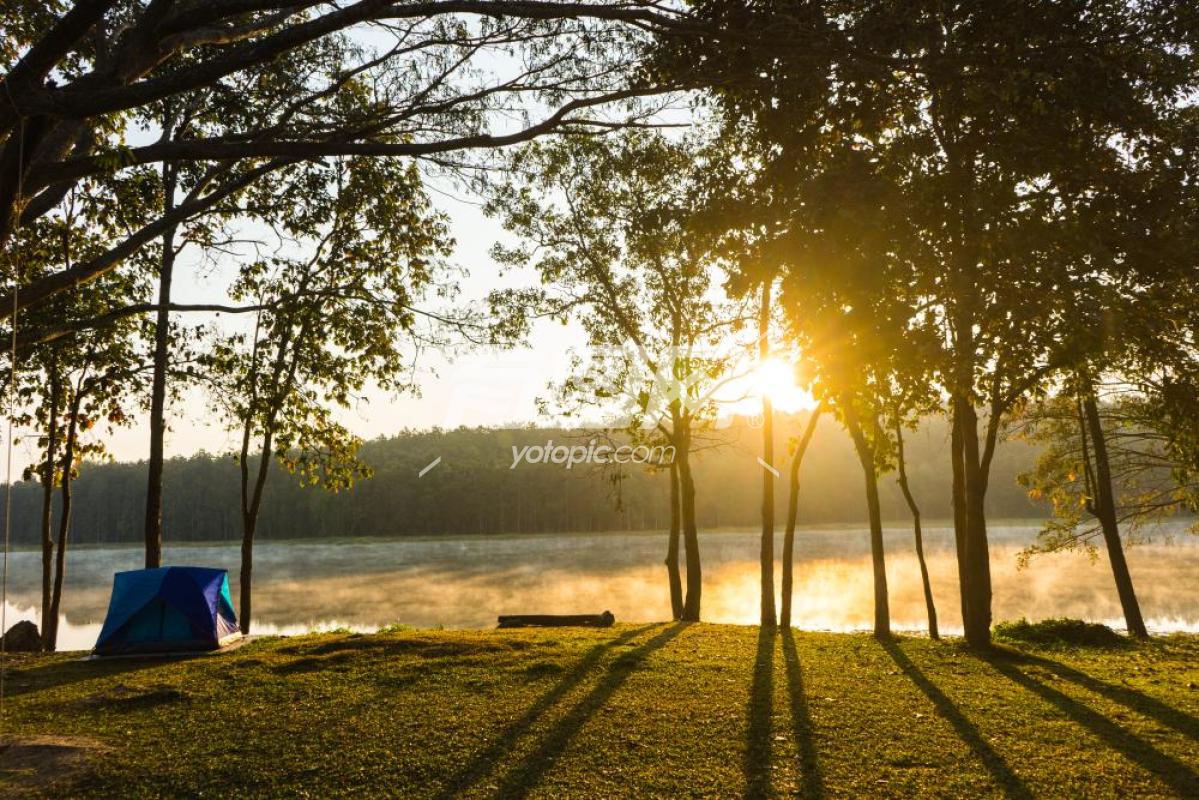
point(168, 609)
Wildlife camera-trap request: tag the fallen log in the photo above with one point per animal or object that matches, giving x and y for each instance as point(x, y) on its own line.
point(604, 620)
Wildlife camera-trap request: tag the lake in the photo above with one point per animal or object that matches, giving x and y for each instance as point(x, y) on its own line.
point(467, 581)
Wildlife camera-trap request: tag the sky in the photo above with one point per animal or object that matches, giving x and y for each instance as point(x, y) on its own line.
point(481, 387)
point(484, 388)
point(477, 388)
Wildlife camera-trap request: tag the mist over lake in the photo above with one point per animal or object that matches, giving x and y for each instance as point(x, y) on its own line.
point(466, 581)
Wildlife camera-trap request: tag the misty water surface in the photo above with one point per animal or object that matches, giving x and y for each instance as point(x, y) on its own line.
point(467, 581)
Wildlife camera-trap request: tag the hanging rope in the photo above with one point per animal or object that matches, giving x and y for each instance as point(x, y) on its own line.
point(12, 404)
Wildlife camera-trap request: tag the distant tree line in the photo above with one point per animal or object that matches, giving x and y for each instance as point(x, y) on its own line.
point(474, 490)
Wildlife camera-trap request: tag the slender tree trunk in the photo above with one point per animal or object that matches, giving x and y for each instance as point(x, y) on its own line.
point(162, 334)
point(672, 548)
point(246, 574)
point(249, 521)
point(768, 618)
point(793, 516)
point(933, 632)
point(970, 512)
point(283, 375)
point(1105, 510)
point(51, 467)
point(692, 602)
point(977, 585)
point(882, 611)
point(250, 527)
point(959, 508)
point(64, 525)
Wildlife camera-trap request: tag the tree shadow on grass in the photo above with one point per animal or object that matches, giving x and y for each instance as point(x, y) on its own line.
point(1011, 783)
point(484, 762)
point(758, 736)
point(1181, 778)
point(811, 781)
point(1137, 701)
point(21, 680)
point(525, 776)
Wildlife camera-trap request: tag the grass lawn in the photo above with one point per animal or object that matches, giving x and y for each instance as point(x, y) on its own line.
point(634, 711)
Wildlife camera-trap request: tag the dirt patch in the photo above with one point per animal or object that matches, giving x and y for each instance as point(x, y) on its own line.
point(31, 765)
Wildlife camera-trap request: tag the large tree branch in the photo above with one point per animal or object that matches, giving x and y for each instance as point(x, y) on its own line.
point(93, 94)
point(214, 150)
point(44, 288)
point(228, 34)
point(42, 203)
point(42, 57)
point(211, 12)
point(27, 339)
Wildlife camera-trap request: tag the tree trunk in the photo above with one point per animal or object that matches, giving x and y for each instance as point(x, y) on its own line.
point(246, 575)
point(162, 333)
point(250, 527)
point(692, 602)
point(1105, 510)
point(882, 611)
point(50, 623)
point(933, 632)
point(768, 618)
point(793, 516)
point(977, 552)
point(969, 513)
point(672, 547)
point(251, 499)
point(47, 521)
point(957, 461)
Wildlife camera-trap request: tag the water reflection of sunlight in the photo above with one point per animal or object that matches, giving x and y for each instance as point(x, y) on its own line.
point(468, 581)
point(82, 636)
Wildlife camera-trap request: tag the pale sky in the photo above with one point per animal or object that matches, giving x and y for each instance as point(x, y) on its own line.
point(481, 387)
point(477, 388)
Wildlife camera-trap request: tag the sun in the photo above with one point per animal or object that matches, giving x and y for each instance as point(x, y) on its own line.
point(775, 379)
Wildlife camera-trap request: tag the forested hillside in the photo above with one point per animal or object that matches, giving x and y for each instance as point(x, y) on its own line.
point(475, 489)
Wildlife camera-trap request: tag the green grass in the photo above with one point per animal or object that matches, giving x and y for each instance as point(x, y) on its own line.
point(633, 711)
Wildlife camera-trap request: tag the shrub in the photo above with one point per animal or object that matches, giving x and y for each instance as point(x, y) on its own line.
point(1063, 631)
